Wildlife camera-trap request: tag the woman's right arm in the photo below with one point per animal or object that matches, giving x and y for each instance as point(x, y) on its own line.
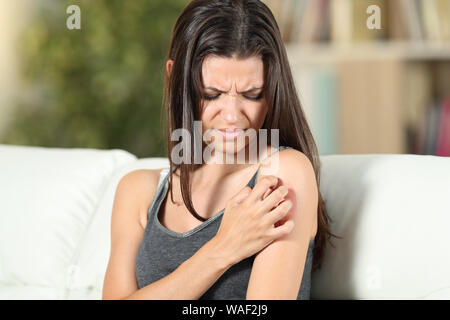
point(246, 228)
point(186, 282)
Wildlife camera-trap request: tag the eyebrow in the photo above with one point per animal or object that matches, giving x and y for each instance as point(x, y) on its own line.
point(247, 91)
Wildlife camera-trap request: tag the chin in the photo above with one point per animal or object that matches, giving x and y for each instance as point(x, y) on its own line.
point(232, 147)
point(236, 148)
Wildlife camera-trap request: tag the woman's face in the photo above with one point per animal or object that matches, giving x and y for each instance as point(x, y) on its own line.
point(233, 100)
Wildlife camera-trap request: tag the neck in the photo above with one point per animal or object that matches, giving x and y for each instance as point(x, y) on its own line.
point(215, 170)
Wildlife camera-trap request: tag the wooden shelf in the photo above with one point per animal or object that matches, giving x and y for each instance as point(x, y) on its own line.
point(326, 52)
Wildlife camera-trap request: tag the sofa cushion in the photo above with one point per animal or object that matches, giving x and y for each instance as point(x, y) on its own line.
point(393, 212)
point(92, 257)
point(48, 199)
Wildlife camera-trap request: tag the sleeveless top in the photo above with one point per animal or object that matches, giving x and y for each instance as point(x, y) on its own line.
point(162, 250)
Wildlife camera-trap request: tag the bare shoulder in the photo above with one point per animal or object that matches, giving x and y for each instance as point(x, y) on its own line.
point(140, 182)
point(295, 171)
point(139, 186)
point(288, 163)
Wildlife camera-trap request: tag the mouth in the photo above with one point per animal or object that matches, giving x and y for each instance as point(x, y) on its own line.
point(230, 134)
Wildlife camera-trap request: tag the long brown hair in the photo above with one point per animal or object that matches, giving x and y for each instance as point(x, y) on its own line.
point(241, 28)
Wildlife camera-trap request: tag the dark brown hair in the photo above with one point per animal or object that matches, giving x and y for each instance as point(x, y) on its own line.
point(241, 28)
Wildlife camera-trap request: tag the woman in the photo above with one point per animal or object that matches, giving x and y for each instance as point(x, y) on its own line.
point(216, 237)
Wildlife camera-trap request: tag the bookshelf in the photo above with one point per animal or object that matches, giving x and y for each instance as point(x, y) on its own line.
point(371, 91)
point(404, 50)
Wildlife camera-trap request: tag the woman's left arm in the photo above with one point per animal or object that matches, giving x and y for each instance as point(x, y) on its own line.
point(278, 269)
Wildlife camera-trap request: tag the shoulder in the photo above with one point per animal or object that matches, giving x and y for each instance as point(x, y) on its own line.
point(289, 164)
point(140, 181)
point(137, 188)
point(295, 171)
point(292, 158)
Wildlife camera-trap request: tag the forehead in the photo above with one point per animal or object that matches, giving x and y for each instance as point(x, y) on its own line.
point(223, 73)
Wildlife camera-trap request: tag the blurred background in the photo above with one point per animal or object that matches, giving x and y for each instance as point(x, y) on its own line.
point(382, 90)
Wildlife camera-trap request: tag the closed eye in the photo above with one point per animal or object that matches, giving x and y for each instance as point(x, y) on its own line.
point(253, 98)
point(211, 97)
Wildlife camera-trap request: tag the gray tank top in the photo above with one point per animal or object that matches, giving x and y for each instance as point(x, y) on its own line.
point(162, 250)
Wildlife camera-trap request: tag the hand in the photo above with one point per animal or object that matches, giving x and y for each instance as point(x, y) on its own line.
point(248, 222)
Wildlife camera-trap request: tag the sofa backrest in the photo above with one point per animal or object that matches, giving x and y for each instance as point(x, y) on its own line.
point(49, 198)
point(393, 212)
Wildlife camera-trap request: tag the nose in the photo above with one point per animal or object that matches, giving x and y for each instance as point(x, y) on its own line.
point(231, 109)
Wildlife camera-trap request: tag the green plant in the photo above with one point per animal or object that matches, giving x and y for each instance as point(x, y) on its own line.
point(100, 86)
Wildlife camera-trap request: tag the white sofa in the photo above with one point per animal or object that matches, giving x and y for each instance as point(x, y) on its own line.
point(393, 212)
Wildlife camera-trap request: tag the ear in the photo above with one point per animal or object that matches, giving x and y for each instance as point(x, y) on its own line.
point(169, 64)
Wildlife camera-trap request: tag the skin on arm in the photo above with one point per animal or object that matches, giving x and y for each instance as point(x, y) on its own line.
point(278, 268)
point(133, 190)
